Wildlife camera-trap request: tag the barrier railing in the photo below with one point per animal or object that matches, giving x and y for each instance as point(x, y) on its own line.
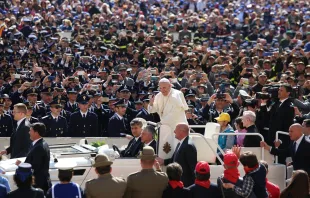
point(235, 134)
point(214, 151)
point(277, 138)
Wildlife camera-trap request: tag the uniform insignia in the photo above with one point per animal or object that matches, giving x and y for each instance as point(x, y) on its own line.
point(167, 148)
point(33, 90)
point(188, 102)
point(84, 97)
point(49, 90)
point(1, 100)
point(59, 96)
point(190, 91)
point(58, 101)
point(20, 81)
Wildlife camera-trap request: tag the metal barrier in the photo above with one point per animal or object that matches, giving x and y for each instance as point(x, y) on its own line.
point(235, 134)
point(277, 138)
point(203, 137)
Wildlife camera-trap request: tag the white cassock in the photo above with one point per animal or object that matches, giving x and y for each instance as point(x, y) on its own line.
point(171, 110)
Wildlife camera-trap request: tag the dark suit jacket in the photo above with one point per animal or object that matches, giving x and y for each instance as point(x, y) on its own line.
point(153, 145)
point(169, 192)
point(117, 126)
point(251, 141)
point(39, 158)
point(26, 192)
point(20, 141)
point(281, 118)
point(83, 127)
point(153, 117)
point(301, 158)
point(187, 158)
point(133, 148)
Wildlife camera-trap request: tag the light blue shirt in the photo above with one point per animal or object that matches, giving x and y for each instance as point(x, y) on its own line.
point(4, 181)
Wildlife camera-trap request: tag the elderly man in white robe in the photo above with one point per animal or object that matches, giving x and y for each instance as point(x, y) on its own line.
point(170, 104)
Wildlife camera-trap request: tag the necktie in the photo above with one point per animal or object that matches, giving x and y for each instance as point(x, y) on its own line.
point(295, 147)
point(176, 152)
point(55, 119)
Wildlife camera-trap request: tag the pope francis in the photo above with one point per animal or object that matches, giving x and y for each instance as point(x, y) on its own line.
point(170, 104)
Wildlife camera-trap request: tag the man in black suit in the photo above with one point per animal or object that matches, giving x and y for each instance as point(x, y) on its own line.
point(20, 140)
point(298, 149)
point(248, 120)
point(83, 123)
point(56, 125)
point(118, 124)
point(185, 154)
point(281, 116)
point(39, 157)
point(135, 143)
point(147, 137)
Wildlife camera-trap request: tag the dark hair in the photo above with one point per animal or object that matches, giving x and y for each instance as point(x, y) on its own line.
point(307, 122)
point(174, 171)
point(23, 184)
point(265, 164)
point(202, 177)
point(287, 87)
point(299, 186)
point(239, 122)
point(65, 175)
point(248, 159)
point(39, 127)
point(103, 169)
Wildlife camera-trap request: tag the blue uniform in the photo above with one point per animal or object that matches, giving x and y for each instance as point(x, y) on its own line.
point(6, 125)
point(55, 128)
point(70, 190)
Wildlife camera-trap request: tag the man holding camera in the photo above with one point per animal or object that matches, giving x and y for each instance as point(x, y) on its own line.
point(281, 116)
point(220, 103)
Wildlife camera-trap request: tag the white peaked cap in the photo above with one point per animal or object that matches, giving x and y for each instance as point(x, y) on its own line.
point(164, 80)
point(65, 165)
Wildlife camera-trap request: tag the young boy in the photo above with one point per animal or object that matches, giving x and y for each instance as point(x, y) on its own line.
point(254, 180)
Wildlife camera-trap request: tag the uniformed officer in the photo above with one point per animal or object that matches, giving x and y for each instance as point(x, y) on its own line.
point(6, 122)
point(105, 185)
point(83, 123)
point(32, 97)
point(29, 113)
point(142, 184)
point(56, 125)
point(118, 124)
point(65, 188)
point(47, 97)
point(7, 105)
point(72, 105)
point(153, 117)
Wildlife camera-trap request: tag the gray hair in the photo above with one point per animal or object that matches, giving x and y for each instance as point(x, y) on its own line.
point(138, 121)
point(150, 129)
point(250, 115)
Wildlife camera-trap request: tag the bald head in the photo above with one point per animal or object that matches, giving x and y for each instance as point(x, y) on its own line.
point(295, 131)
point(181, 131)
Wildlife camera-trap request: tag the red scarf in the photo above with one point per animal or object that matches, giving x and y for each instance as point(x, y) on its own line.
point(232, 175)
point(248, 170)
point(174, 184)
point(205, 184)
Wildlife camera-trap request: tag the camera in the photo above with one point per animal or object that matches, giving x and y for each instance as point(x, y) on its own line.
point(220, 95)
point(296, 91)
point(273, 91)
point(263, 96)
point(249, 70)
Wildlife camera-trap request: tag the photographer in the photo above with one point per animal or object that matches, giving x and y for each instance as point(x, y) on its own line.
point(281, 116)
point(193, 119)
point(220, 103)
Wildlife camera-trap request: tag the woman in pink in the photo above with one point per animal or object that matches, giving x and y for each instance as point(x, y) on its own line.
point(239, 129)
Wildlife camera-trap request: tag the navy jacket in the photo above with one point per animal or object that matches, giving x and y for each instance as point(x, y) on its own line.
point(186, 156)
point(202, 192)
point(26, 192)
point(169, 192)
point(55, 128)
point(259, 177)
point(6, 125)
point(133, 148)
point(83, 127)
point(117, 126)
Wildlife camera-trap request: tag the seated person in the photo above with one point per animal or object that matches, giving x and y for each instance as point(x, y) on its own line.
point(4, 181)
point(147, 137)
point(225, 142)
point(203, 186)
point(3, 191)
point(135, 143)
point(272, 189)
point(175, 186)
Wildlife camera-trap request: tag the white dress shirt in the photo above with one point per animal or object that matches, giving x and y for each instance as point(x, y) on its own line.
point(298, 142)
point(20, 121)
point(148, 144)
point(83, 114)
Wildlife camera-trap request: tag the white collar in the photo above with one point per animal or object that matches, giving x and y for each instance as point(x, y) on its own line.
point(300, 139)
point(20, 121)
point(182, 141)
point(137, 138)
point(83, 113)
point(34, 142)
point(54, 117)
point(148, 144)
point(120, 117)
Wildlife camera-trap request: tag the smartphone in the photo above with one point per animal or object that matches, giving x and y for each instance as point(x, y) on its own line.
point(80, 73)
point(198, 75)
point(96, 80)
point(51, 78)
point(153, 71)
point(115, 76)
point(95, 87)
point(249, 69)
point(175, 58)
point(154, 78)
point(28, 84)
point(71, 79)
point(16, 76)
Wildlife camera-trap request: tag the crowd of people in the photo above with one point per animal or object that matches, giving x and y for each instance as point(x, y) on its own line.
point(91, 68)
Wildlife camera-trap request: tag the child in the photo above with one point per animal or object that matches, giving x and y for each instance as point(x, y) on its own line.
point(254, 180)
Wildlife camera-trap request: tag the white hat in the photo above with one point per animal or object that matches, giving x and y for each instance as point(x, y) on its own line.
point(67, 165)
point(164, 80)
